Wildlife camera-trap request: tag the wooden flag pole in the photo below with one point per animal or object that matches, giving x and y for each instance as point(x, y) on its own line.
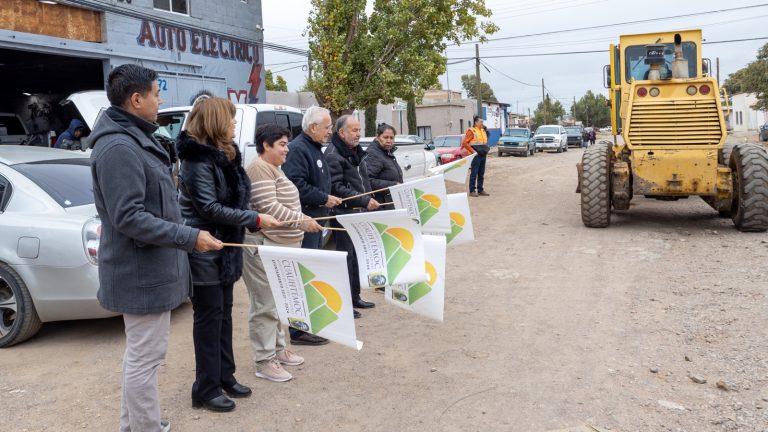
point(239, 245)
point(314, 219)
point(364, 194)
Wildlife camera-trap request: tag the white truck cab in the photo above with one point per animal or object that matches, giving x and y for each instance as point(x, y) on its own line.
point(248, 116)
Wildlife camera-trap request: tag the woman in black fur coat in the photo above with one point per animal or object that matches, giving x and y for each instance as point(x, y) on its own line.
point(214, 195)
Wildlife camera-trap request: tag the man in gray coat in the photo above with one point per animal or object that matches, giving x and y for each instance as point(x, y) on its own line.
point(143, 267)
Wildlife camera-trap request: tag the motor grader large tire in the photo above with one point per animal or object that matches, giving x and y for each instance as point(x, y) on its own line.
point(596, 186)
point(749, 169)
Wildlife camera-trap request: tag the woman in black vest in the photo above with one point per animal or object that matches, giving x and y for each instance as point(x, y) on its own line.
point(383, 169)
point(215, 196)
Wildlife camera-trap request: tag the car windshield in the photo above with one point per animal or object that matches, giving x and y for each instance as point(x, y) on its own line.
point(548, 130)
point(68, 182)
point(637, 69)
point(573, 131)
point(450, 141)
point(516, 132)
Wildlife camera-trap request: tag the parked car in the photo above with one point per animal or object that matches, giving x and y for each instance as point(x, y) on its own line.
point(764, 132)
point(50, 240)
point(414, 156)
point(449, 148)
point(551, 137)
point(12, 129)
point(517, 141)
point(575, 136)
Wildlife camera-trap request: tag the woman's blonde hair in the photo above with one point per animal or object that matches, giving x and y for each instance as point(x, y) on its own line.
point(210, 122)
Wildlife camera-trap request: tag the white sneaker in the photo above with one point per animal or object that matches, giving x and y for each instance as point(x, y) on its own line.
point(273, 371)
point(288, 358)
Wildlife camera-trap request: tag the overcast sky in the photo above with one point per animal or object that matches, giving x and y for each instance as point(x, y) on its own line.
point(565, 76)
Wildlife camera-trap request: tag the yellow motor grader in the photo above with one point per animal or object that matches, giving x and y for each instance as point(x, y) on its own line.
point(669, 114)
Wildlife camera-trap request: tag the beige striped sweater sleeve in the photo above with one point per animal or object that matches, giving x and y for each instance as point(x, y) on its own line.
point(273, 194)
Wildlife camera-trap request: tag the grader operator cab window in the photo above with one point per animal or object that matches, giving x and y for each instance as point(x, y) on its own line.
point(637, 69)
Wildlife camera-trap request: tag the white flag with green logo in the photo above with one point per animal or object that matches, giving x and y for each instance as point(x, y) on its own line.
point(311, 291)
point(461, 220)
point(388, 246)
point(426, 200)
point(455, 171)
point(424, 298)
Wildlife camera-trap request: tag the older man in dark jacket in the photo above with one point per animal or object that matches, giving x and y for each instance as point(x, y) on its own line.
point(143, 267)
point(307, 168)
point(349, 177)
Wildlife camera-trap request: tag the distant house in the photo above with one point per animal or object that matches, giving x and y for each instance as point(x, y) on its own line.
point(743, 117)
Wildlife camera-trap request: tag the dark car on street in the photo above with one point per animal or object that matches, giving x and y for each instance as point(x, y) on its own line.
point(575, 136)
point(764, 132)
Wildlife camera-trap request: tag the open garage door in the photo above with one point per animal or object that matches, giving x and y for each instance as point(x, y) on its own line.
point(32, 85)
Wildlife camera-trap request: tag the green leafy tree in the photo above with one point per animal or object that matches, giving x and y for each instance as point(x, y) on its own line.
point(752, 79)
point(548, 112)
point(411, 111)
point(395, 52)
point(272, 84)
point(470, 86)
point(370, 121)
point(592, 110)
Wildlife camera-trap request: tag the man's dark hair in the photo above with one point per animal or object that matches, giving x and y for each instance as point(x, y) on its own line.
point(269, 134)
point(126, 80)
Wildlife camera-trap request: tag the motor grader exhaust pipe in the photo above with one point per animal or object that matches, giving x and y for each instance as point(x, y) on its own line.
point(679, 64)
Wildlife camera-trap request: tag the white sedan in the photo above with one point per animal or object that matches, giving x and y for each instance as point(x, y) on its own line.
point(49, 240)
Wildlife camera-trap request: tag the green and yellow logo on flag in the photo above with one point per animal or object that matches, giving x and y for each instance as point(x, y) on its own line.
point(457, 225)
point(420, 289)
point(458, 164)
point(323, 301)
point(429, 205)
point(398, 243)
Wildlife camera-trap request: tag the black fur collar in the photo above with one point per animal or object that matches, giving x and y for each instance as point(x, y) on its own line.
point(188, 148)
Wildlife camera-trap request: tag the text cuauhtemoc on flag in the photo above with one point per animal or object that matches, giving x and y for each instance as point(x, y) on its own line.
point(426, 200)
point(455, 171)
point(311, 291)
point(424, 298)
point(388, 246)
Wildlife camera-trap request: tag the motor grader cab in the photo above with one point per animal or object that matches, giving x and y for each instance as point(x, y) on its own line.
point(669, 137)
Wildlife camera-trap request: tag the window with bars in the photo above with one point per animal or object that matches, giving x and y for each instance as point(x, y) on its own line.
point(177, 6)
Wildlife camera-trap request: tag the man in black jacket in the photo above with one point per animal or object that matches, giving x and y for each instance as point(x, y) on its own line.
point(349, 177)
point(307, 168)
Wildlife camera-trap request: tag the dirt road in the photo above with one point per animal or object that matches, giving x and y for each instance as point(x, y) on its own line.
point(548, 326)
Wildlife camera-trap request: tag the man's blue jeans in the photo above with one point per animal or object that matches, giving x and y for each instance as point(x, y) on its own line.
point(477, 173)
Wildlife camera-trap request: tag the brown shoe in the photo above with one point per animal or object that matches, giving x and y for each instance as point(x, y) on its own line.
point(484, 193)
point(473, 194)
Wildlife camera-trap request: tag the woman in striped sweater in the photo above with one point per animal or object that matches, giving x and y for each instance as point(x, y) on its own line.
point(273, 194)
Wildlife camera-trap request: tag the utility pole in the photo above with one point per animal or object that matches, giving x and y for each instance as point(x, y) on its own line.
point(544, 102)
point(477, 81)
point(309, 67)
point(529, 117)
point(717, 63)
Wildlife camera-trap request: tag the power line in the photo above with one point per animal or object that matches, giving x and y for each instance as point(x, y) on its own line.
point(507, 76)
point(597, 51)
point(618, 24)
